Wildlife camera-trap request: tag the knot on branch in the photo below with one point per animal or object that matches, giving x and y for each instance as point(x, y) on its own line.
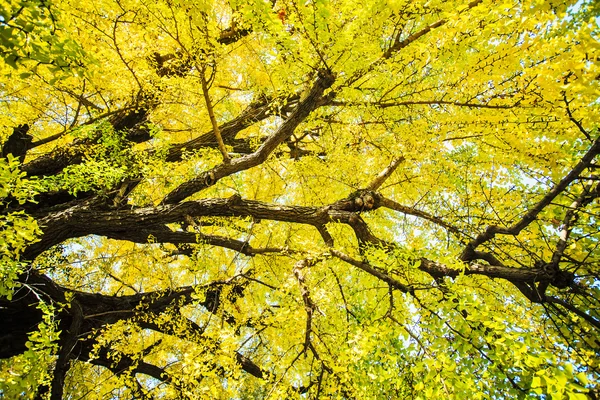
point(362, 200)
point(209, 178)
point(366, 201)
point(326, 78)
point(563, 279)
point(235, 199)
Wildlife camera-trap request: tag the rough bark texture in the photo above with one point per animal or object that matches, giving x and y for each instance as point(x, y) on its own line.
point(62, 216)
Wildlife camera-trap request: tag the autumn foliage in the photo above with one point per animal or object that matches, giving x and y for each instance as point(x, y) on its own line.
point(277, 199)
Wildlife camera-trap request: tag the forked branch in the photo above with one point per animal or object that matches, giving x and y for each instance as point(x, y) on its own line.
point(515, 229)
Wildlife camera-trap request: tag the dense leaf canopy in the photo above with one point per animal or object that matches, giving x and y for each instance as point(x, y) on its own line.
point(282, 199)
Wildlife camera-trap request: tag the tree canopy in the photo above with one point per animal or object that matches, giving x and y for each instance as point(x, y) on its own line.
point(281, 199)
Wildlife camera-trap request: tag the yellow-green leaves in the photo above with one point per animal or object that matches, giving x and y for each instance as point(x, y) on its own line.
point(21, 376)
point(31, 34)
point(410, 237)
point(18, 230)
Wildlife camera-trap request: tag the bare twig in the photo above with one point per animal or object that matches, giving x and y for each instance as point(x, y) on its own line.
point(211, 115)
point(572, 118)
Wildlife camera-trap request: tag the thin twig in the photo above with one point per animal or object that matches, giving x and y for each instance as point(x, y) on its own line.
point(211, 115)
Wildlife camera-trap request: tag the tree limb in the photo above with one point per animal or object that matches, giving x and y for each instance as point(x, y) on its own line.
point(209, 178)
point(515, 229)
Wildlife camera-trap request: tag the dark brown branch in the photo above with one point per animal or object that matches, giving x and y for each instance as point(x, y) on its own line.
point(360, 228)
point(593, 321)
point(388, 104)
point(569, 221)
point(138, 224)
point(530, 216)
point(327, 238)
point(124, 364)
point(257, 111)
point(572, 118)
point(249, 366)
point(60, 226)
point(193, 332)
point(57, 160)
point(371, 270)
point(88, 122)
point(232, 35)
point(67, 345)
point(90, 311)
point(391, 204)
point(130, 120)
point(162, 234)
point(17, 143)
point(400, 44)
point(524, 275)
point(520, 277)
point(300, 113)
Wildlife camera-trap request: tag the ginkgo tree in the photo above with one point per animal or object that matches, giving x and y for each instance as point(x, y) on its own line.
point(283, 199)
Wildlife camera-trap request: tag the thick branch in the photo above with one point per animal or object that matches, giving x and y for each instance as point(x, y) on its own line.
point(137, 224)
point(81, 220)
point(90, 311)
point(129, 120)
point(255, 112)
point(162, 234)
point(67, 345)
point(524, 275)
point(517, 276)
point(304, 108)
point(124, 364)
